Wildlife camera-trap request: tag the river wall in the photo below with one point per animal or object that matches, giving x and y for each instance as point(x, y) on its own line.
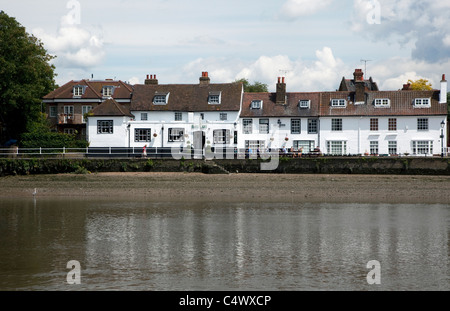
point(321, 165)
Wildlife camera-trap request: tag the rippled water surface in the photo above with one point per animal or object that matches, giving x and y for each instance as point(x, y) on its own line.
point(123, 245)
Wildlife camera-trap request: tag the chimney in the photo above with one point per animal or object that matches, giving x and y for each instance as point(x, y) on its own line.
point(151, 80)
point(443, 93)
point(281, 91)
point(360, 86)
point(358, 75)
point(406, 87)
point(204, 79)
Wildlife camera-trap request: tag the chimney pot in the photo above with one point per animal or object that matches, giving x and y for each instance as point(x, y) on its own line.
point(147, 77)
point(282, 80)
point(443, 77)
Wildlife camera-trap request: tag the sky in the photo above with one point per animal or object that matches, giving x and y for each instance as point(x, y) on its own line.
point(313, 43)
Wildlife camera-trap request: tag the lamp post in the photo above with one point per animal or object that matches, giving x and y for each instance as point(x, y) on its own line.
point(442, 138)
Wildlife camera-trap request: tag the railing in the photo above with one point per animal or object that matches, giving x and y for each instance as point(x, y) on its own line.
point(70, 118)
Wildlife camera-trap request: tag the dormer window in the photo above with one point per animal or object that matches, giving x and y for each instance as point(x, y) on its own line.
point(78, 91)
point(422, 102)
point(161, 99)
point(341, 103)
point(107, 91)
point(256, 104)
point(304, 104)
point(382, 103)
point(214, 98)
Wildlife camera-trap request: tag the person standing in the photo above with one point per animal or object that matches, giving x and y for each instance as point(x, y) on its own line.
point(144, 152)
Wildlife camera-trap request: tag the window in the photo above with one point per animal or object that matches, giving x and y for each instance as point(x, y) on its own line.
point(337, 147)
point(336, 125)
point(160, 99)
point(176, 134)
point(264, 126)
point(142, 135)
point(392, 147)
point(374, 125)
point(53, 111)
point(68, 110)
point(248, 126)
point(382, 103)
point(69, 131)
point(313, 125)
point(253, 145)
point(78, 91)
point(144, 116)
point(84, 111)
point(422, 103)
point(107, 91)
point(422, 124)
point(422, 147)
point(374, 147)
point(178, 116)
point(202, 116)
point(296, 126)
point(304, 104)
point(221, 136)
point(392, 124)
point(256, 104)
point(105, 127)
point(214, 98)
point(338, 103)
point(223, 116)
point(306, 146)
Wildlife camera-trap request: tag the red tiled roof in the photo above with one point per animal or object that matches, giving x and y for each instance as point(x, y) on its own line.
point(111, 108)
point(93, 90)
point(401, 104)
point(187, 97)
point(272, 109)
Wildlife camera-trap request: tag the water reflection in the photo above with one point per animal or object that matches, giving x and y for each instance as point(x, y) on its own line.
point(222, 246)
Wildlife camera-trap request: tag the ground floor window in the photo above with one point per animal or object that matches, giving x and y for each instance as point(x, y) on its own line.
point(374, 147)
point(337, 147)
point(176, 134)
point(69, 131)
point(142, 135)
point(105, 126)
point(221, 136)
point(253, 145)
point(422, 147)
point(392, 147)
point(306, 146)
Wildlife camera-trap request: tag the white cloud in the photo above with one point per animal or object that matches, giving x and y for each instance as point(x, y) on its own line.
point(298, 8)
point(424, 23)
point(73, 45)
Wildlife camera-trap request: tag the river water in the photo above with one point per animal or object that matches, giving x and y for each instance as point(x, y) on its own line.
point(137, 245)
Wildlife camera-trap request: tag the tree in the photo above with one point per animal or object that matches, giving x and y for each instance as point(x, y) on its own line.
point(420, 85)
point(256, 87)
point(25, 76)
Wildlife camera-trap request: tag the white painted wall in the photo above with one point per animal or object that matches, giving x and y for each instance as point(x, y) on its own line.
point(119, 137)
point(356, 131)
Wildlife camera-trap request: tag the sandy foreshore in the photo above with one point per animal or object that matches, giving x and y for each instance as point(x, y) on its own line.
point(234, 187)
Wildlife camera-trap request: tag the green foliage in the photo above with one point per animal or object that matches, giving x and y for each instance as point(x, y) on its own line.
point(39, 135)
point(256, 87)
point(25, 76)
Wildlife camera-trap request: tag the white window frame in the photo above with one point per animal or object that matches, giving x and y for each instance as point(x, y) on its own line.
point(306, 146)
point(53, 111)
point(69, 131)
point(422, 147)
point(107, 91)
point(178, 116)
point(78, 91)
point(338, 103)
point(161, 99)
point(423, 124)
point(304, 104)
point(313, 126)
point(264, 126)
point(215, 98)
point(144, 116)
point(142, 135)
point(256, 104)
point(247, 126)
point(337, 147)
point(335, 122)
point(392, 147)
point(374, 147)
point(382, 103)
point(221, 136)
point(105, 127)
point(84, 110)
point(422, 102)
point(176, 134)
